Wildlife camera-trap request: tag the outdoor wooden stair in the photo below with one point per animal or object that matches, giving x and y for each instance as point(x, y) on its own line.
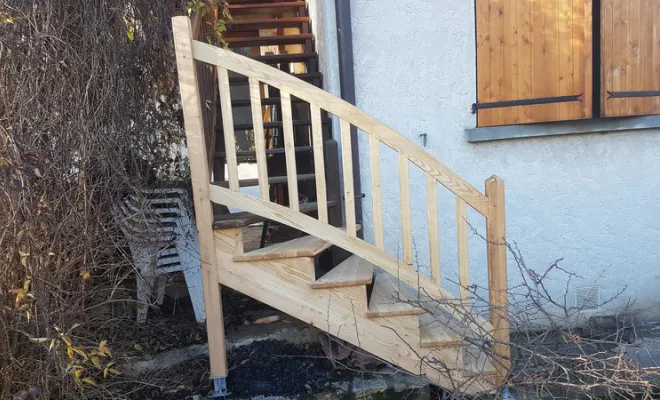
point(372, 299)
point(354, 303)
point(277, 33)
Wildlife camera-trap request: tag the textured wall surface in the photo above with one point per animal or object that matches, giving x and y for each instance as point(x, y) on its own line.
point(592, 199)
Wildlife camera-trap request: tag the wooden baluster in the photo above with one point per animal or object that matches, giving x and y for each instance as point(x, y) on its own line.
point(259, 138)
point(463, 260)
point(377, 200)
point(347, 166)
point(201, 178)
point(319, 164)
point(404, 204)
point(497, 274)
point(228, 128)
point(289, 150)
point(434, 240)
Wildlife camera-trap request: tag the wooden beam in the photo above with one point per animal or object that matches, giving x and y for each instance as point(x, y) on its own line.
point(434, 239)
point(347, 164)
point(463, 259)
point(289, 150)
point(228, 128)
point(497, 275)
point(319, 163)
point(192, 113)
point(377, 202)
point(259, 138)
point(404, 205)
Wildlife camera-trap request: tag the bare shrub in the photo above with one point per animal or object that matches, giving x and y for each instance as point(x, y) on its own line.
point(88, 112)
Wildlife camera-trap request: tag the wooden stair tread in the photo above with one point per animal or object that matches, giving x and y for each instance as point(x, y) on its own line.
point(268, 101)
point(265, 23)
point(273, 125)
point(271, 180)
point(236, 9)
point(353, 271)
point(254, 41)
point(240, 219)
point(284, 58)
point(435, 335)
point(384, 301)
point(307, 77)
point(306, 246)
point(280, 150)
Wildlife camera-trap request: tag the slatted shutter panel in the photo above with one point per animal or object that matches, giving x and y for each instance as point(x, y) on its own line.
point(630, 57)
point(535, 52)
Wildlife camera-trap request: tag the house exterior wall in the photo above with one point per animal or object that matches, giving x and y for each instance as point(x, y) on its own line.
point(591, 199)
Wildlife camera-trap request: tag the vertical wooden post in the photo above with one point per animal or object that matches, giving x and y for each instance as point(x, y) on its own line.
point(201, 179)
point(434, 238)
point(349, 189)
point(463, 255)
point(404, 205)
point(497, 274)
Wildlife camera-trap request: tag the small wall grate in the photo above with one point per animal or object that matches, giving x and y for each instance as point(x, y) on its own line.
point(587, 298)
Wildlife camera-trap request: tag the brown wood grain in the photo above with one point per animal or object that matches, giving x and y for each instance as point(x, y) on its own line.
point(533, 49)
point(630, 57)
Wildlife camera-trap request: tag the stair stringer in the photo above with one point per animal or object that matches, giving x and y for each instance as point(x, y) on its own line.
point(354, 245)
point(286, 285)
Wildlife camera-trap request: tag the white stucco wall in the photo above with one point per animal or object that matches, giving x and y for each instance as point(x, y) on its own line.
point(592, 199)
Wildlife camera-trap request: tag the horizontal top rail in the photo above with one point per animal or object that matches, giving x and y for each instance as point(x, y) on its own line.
point(346, 111)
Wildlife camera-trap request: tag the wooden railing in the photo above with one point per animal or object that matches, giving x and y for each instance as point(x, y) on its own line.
point(490, 204)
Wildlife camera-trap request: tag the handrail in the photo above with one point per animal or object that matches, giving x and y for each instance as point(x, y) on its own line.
point(359, 247)
point(303, 90)
point(490, 204)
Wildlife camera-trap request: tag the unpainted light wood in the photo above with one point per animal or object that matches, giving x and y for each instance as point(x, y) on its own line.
point(433, 334)
point(404, 207)
point(347, 168)
point(386, 135)
point(259, 138)
point(319, 163)
point(228, 128)
point(497, 274)
point(200, 178)
point(353, 271)
point(433, 224)
point(289, 150)
point(530, 50)
point(352, 244)
point(282, 285)
point(463, 259)
point(376, 195)
point(229, 240)
point(239, 219)
point(390, 297)
point(306, 246)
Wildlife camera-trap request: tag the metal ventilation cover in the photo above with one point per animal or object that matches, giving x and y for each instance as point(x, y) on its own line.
point(587, 298)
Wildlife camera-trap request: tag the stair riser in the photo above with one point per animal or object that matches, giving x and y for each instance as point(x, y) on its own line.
point(286, 287)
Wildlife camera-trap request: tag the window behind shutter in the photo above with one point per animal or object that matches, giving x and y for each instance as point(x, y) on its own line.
point(630, 57)
point(535, 52)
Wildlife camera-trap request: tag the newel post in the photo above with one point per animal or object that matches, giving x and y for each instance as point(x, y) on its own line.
point(201, 180)
point(497, 274)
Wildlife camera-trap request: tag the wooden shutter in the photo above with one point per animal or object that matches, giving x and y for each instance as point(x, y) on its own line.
point(534, 51)
point(630, 57)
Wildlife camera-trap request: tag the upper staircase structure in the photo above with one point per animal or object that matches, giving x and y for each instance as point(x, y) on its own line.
point(367, 297)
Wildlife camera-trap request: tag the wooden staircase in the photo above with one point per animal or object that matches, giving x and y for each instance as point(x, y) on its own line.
point(276, 33)
point(370, 299)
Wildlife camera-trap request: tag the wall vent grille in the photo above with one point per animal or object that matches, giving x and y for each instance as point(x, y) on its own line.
point(587, 298)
